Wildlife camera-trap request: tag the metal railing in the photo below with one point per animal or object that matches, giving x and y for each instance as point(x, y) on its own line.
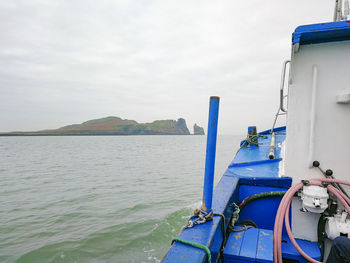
point(282, 109)
point(283, 77)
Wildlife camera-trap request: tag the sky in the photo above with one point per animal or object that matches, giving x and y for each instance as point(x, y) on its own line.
point(68, 61)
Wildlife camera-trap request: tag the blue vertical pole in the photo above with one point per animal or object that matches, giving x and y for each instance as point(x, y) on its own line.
point(210, 154)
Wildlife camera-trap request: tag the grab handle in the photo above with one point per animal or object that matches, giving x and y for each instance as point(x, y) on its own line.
point(283, 76)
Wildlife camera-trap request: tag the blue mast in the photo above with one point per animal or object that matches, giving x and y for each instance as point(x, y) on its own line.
point(210, 154)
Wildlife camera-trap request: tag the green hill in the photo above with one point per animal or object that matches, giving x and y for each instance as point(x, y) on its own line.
point(116, 126)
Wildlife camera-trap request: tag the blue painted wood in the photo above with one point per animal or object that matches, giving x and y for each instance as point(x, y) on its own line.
point(255, 170)
point(251, 163)
point(233, 248)
point(210, 154)
point(250, 243)
point(282, 182)
point(266, 206)
point(254, 154)
point(290, 252)
point(281, 129)
point(264, 253)
point(234, 244)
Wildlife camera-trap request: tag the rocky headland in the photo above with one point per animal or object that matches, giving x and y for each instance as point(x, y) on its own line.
point(117, 126)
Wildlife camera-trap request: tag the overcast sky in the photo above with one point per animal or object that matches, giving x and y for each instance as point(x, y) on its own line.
point(68, 61)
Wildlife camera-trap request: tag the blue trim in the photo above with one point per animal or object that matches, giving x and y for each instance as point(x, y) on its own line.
point(268, 161)
point(278, 129)
point(321, 33)
point(283, 182)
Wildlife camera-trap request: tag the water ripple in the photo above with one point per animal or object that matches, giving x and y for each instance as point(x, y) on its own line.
point(99, 199)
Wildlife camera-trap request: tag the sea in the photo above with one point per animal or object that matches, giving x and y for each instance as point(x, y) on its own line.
point(100, 198)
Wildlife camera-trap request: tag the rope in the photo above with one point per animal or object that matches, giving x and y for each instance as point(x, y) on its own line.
point(193, 244)
point(201, 217)
point(223, 234)
point(252, 140)
point(198, 219)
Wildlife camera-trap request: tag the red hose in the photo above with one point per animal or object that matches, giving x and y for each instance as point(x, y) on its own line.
point(283, 215)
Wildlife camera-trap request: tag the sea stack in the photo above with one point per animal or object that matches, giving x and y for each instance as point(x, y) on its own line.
point(197, 130)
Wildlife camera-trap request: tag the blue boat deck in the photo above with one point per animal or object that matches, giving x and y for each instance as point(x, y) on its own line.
point(250, 172)
point(258, 174)
point(253, 161)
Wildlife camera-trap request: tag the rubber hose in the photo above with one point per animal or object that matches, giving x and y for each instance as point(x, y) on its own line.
point(283, 215)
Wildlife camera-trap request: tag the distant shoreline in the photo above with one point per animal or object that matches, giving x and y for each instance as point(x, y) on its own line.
point(115, 126)
point(55, 135)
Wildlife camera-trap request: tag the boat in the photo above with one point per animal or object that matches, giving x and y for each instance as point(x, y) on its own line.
point(285, 196)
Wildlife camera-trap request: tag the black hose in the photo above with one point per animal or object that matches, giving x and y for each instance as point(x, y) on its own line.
point(321, 235)
point(329, 175)
point(260, 196)
point(248, 223)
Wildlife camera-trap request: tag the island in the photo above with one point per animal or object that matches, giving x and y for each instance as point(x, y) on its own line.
point(114, 126)
point(197, 130)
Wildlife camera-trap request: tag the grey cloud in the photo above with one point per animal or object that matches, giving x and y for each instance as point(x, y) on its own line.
point(64, 62)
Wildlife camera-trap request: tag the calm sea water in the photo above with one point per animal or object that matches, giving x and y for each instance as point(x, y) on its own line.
point(100, 199)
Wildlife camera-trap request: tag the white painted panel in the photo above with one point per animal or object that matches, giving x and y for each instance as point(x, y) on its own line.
point(318, 126)
point(306, 221)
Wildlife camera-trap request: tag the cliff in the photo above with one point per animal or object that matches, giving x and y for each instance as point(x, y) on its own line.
point(197, 130)
point(116, 126)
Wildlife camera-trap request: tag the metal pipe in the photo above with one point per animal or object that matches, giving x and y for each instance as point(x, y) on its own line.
point(346, 10)
point(340, 10)
point(276, 117)
point(313, 115)
point(283, 76)
point(335, 18)
point(210, 154)
point(274, 122)
point(272, 147)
